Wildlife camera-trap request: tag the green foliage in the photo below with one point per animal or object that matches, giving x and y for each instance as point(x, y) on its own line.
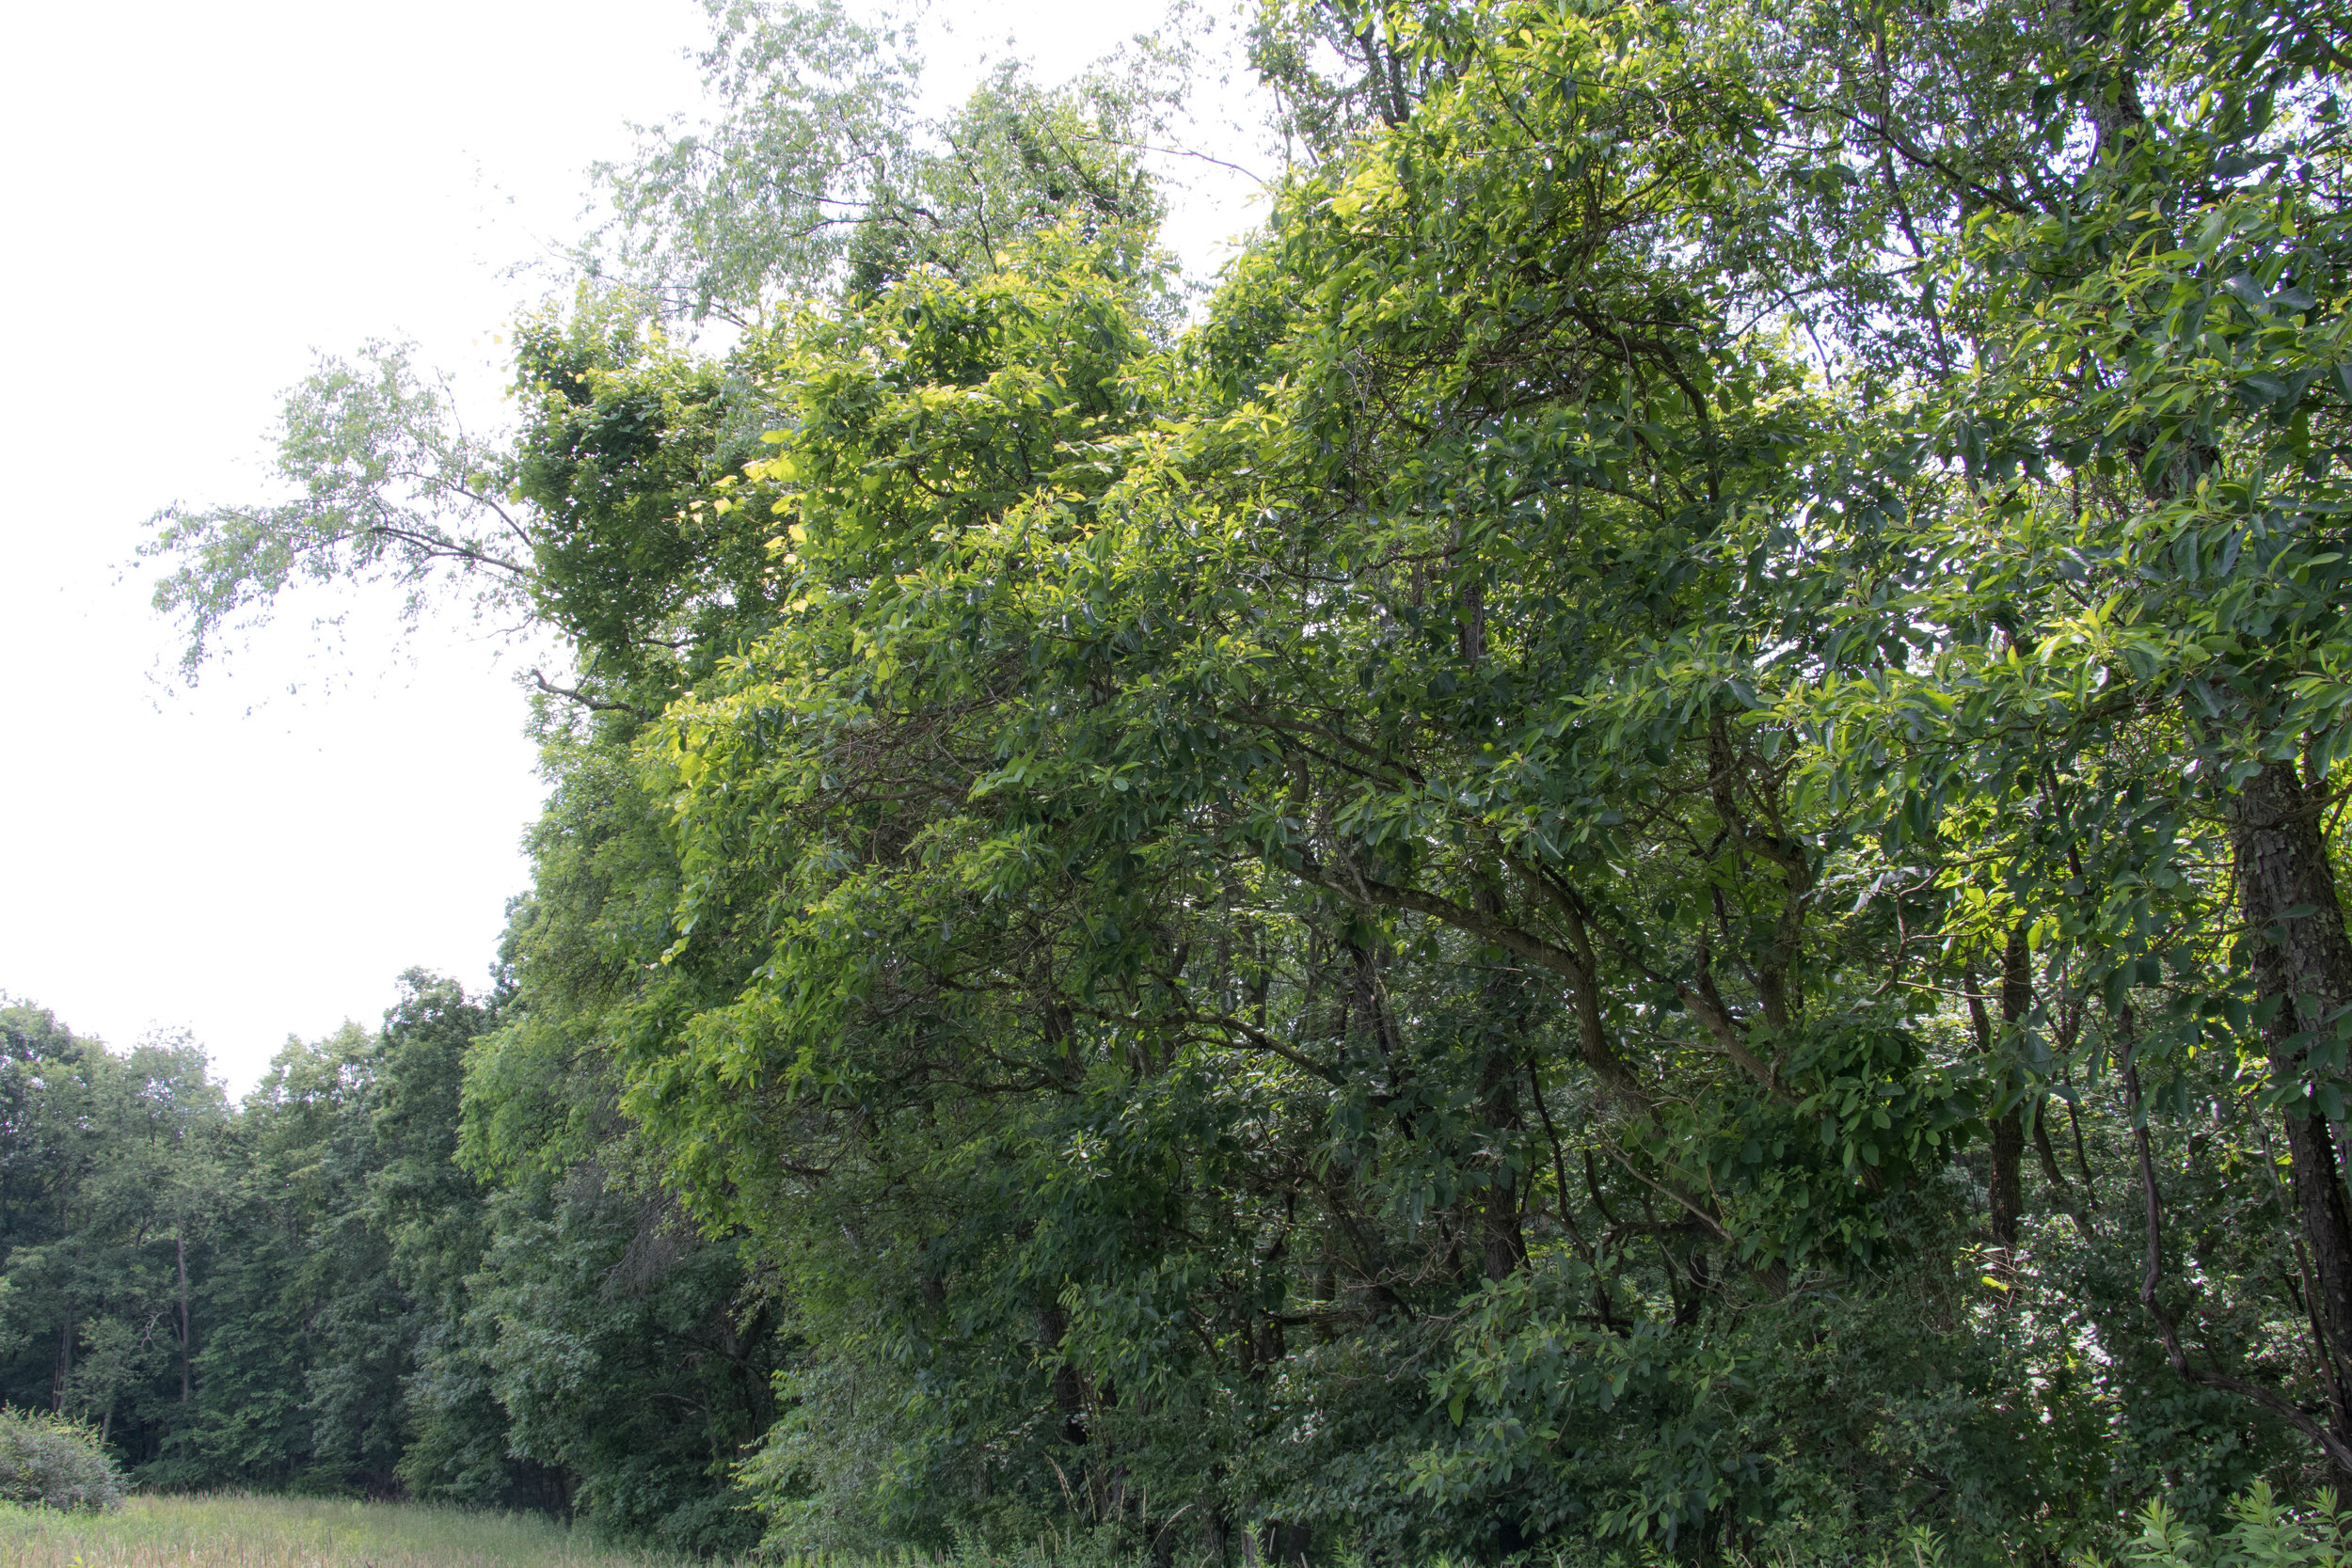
point(2261, 1533)
point(390, 487)
point(1433, 914)
point(876, 192)
point(128, 1174)
point(54, 1463)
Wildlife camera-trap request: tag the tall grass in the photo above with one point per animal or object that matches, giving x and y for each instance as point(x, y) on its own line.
point(234, 1531)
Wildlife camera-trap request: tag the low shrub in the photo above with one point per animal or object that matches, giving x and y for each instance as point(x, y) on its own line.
point(2262, 1532)
point(54, 1462)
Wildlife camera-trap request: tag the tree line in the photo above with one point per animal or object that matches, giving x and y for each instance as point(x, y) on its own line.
point(327, 1288)
point(1634, 847)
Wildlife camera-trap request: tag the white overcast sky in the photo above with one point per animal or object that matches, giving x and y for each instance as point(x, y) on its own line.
point(194, 198)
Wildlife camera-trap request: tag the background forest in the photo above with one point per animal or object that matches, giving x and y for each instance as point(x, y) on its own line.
point(1633, 847)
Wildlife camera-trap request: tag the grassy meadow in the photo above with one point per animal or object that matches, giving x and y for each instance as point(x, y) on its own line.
point(229, 1531)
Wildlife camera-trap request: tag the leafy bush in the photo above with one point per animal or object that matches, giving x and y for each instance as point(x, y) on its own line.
point(2262, 1532)
point(54, 1463)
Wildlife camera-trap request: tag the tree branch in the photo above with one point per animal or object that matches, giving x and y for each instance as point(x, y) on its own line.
point(572, 693)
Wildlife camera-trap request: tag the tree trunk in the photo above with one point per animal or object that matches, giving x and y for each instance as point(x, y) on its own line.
point(64, 1369)
point(2009, 1152)
point(2008, 1130)
point(65, 1364)
point(2302, 963)
point(2006, 1186)
point(180, 1249)
point(2329, 1439)
point(1502, 1246)
point(1069, 1389)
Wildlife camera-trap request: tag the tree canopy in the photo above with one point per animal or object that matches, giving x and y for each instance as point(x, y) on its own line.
point(1633, 849)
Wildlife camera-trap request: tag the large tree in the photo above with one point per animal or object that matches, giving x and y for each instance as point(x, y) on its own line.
point(1639, 847)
